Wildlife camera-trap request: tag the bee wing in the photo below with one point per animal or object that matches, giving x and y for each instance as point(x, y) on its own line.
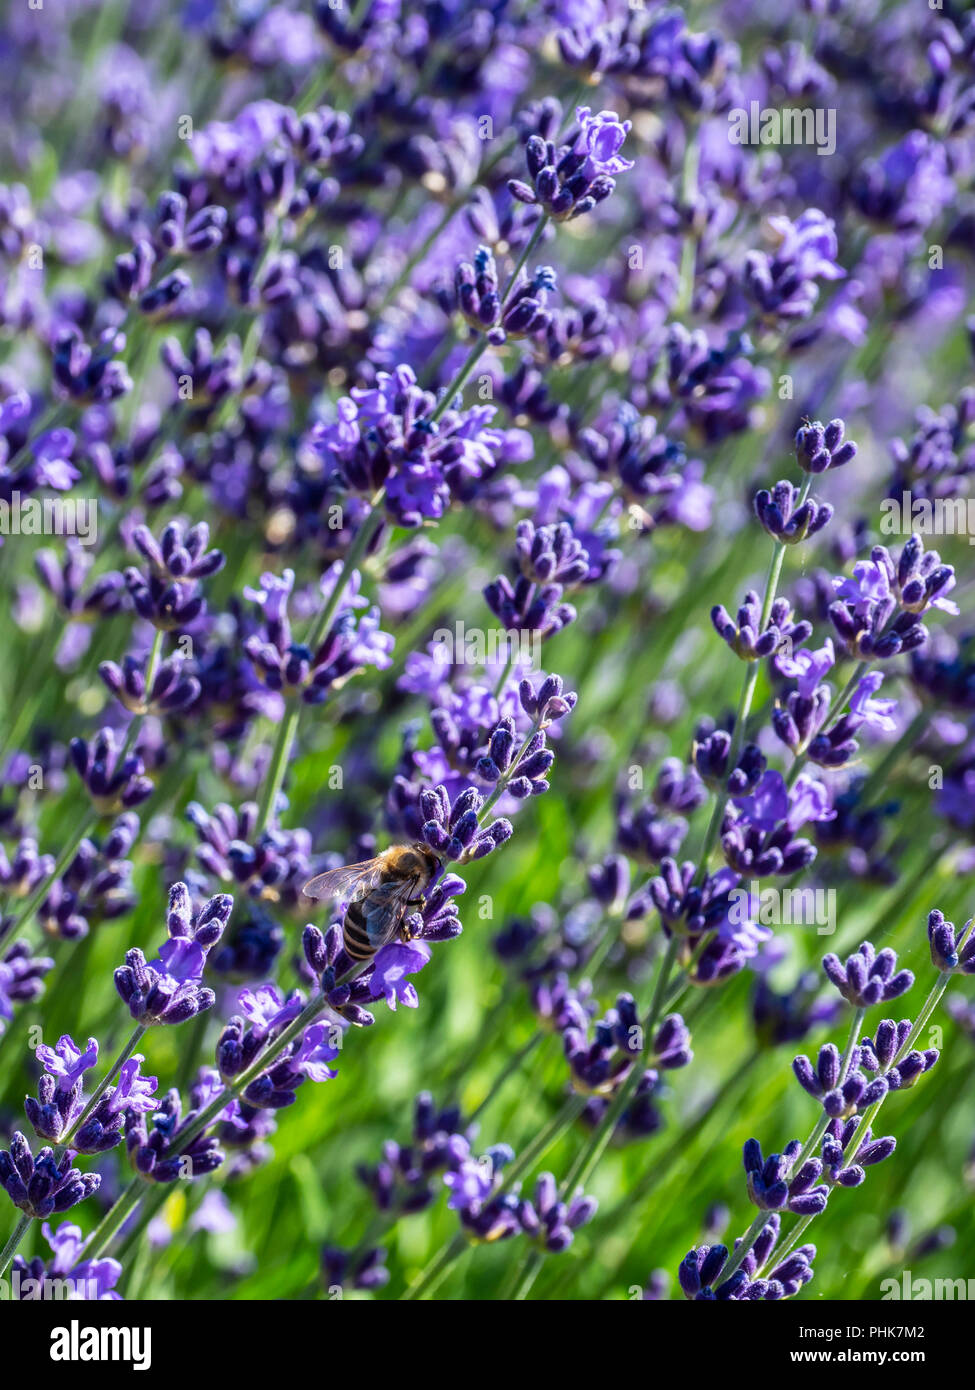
point(387, 905)
point(343, 883)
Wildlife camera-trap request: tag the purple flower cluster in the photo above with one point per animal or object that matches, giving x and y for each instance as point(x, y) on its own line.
point(700, 1273)
point(489, 1211)
point(168, 989)
point(390, 438)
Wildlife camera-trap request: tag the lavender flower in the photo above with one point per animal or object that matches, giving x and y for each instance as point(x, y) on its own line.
point(168, 989)
point(821, 447)
point(385, 438)
point(950, 951)
point(784, 520)
point(155, 1148)
point(344, 1269)
point(171, 691)
point(41, 1185)
point(571, 179)
point(351, 644)
point(60, 1101)
point(21, 979)
point(114, 783)
point(701, 1269)
point(552, 1223)
point(80, 1278)
point(452, 830)
point(773, 1186)
point(869, 977)
point(749, 639)
point(878, 612)
point(403, 1178)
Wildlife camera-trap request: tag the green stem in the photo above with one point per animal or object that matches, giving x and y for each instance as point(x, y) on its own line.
point(508, 1070)
point(588, 1157)
point(459, 381)
point(101, 1088)
point(116, 1216)
point(155, 1202)
point(438, 1269)
point(463, 374)
point(869, 1115)
point(807, 1150)
point(192, 1050)
point(688, 261)
point(135, 723)
point(877, 779)
point(591, 1152)
point(288, 728)
point(532, 1269)
point(529, 247)
point(353, 558)
point(8, 1251)
point(835, 708)
point(84, 828)
point(280, 758)
point(747, 695)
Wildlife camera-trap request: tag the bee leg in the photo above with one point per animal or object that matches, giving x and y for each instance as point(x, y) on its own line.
point(419, 902)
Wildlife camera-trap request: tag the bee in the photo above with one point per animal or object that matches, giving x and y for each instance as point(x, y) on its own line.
point(378, 894)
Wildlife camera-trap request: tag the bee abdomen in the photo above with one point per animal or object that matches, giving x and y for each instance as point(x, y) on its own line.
point(354, 934)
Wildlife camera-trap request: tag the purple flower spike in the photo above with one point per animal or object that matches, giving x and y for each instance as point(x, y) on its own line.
point(772, 1186)
point(868, 977)
point(849, 1171)
point(877, 1053)
point(171, 692)
point(178, 556)
point(878, 612)
point(452, 831)
point(342, 1269)
point(88, 1279)
point(747, 637)
point(784, 520)
point(155, 1148)
point(550, 1223)
point(134, 1094)
point(948, 951)
point(548, 703)
point(820, 447)
point(168, 990)
point(570, 180)
point(114, 783)
point(40, 1186)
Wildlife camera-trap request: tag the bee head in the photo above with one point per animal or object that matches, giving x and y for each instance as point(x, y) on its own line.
point(431, 862)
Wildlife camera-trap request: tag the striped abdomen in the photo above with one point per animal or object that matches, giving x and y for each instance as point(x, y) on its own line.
point(355, 933)
point(372, 921)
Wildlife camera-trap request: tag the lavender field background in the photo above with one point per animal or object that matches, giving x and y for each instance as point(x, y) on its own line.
point(353, 344)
